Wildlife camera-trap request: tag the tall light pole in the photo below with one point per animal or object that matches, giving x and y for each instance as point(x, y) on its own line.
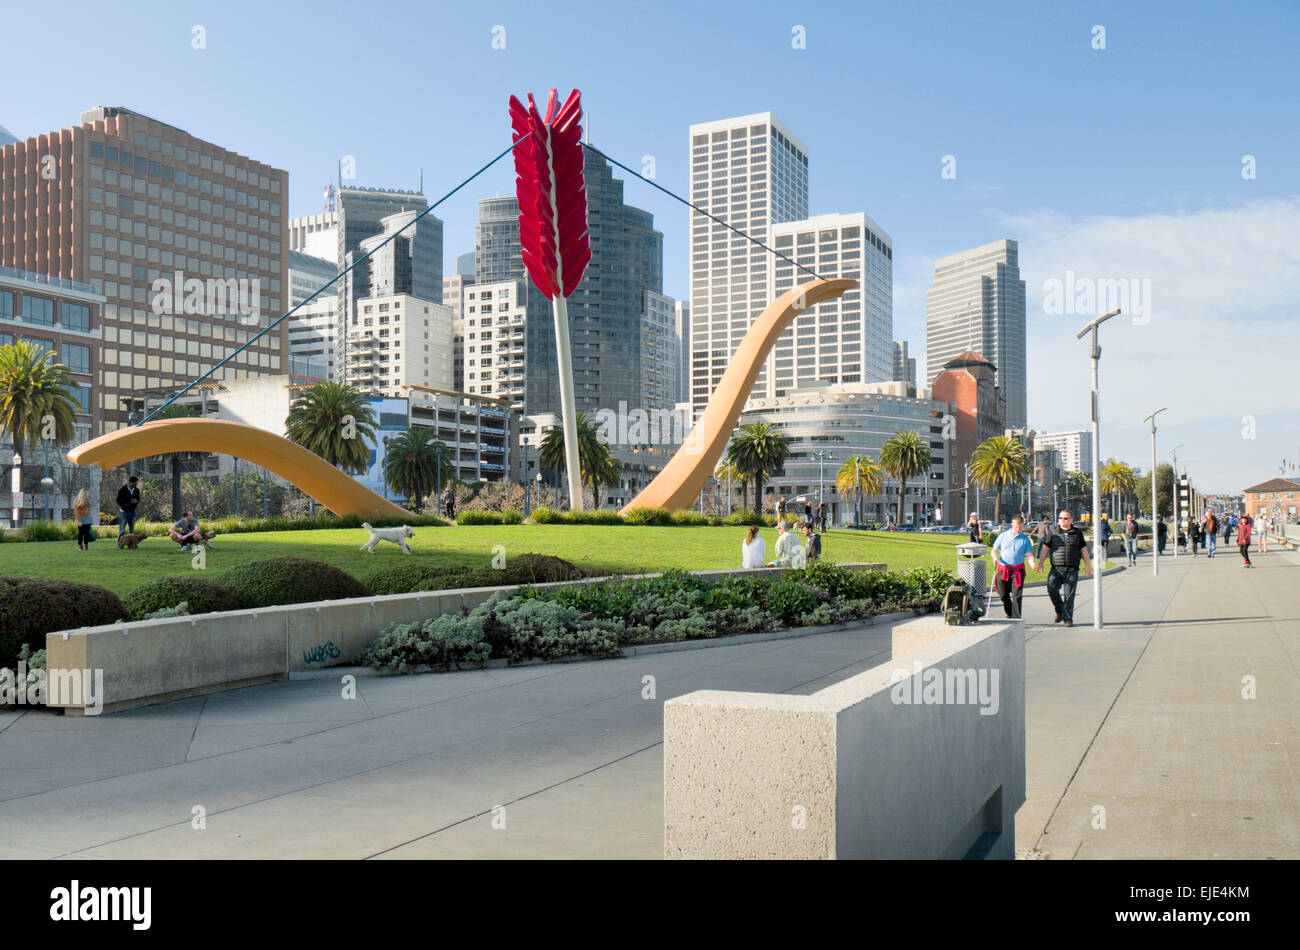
point(821, 458)
point(1174, 491)
point(1098, 555)
point(16, 485)
point(1155, 533)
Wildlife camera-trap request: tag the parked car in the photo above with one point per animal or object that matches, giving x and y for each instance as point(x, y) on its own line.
point(906, 527)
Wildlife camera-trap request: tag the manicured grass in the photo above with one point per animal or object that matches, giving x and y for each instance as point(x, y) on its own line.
point(612, 548)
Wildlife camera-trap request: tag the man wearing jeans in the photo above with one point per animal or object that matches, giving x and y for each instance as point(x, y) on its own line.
point(1066, 546)
point(128, 499)
point(1131, 540)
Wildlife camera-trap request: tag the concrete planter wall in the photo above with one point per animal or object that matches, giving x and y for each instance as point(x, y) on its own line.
point(852, 771)
point(154, 661)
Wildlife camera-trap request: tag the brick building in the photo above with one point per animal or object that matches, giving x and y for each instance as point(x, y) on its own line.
point(967, 382)
point(1278, 497)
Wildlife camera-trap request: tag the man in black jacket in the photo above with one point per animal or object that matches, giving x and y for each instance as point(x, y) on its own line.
point(1067, 547)
point(128, 499)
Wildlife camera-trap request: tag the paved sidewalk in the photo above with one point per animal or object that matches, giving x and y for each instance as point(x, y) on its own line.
point(1144, 719)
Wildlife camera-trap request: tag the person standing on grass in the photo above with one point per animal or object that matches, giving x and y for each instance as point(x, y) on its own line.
point(1131, 540)
point(973, 529)
point(1243, 541)
point(821, 517)
point(128, 500)
point(753, 550)
point(1066, 547)
point(85, 522)
point(1010, 551)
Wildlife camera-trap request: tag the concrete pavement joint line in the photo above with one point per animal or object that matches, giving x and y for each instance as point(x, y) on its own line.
point(198, 721)
point(533, 794)
point(1155, 628)
point(13, 718)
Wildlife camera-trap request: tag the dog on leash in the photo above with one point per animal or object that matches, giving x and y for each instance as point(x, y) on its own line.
point(396, 535)
point(131, 541)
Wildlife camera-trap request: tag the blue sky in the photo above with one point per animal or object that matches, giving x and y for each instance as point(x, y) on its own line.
point(1117, 163)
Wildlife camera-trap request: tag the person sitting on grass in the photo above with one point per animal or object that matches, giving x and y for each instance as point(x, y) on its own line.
point(186, 532)
point(752, 549)
point(788, 548)
point(813, 549)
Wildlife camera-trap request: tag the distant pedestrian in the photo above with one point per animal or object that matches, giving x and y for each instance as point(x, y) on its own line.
point(1243, 541)
point(1131, 540)
point(1261, 527)
point(1162, 535)
point(1193, 534)
point(1229, 523)
point(1010, 551)
point(128, 499)
point(821, 517)
point(449, 503)
point(1066, 547)
point(807, 512)
point(780, 508)
point(1210, 532)
point(974, 530)
point(85, 521)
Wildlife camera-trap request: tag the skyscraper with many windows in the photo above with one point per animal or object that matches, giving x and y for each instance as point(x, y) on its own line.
point(750, 172)
point(977, 303)
point(845, 340)
point(185, 239)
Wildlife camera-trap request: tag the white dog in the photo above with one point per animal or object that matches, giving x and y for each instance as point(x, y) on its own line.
point(396, 535)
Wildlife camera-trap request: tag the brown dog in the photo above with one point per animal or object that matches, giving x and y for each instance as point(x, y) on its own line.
point(131, 541)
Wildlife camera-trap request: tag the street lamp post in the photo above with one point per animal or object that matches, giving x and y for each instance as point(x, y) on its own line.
point(523, 448)
point(437, 452)
point(1098, 554)
point(16, 486)
point(821, 459)
point(1174, 491)
point(539, 489)
point(1155, 534)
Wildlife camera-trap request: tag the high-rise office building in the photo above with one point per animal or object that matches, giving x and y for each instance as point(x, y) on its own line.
point(314, 326)
point(682, 325)
point(1074, 447)
point(977, 303)
point(845, 340)
point(186, 241)
point(400, 341)
point(316, 234)
point(453, 295)
point(7, 137)
point(613, 336)
point(904, 365)
point(750, 172)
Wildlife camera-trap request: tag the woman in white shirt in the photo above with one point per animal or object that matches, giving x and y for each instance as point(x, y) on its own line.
point(753, 550)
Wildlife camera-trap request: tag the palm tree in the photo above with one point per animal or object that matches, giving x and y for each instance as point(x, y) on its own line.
point(411, 464)
point(859, 473)
point(596, 463)
point(905, 455)
point(178, 410)
point(758, 452)
point(35, 391)
point(997, 462)
point(319, 421)
point(1077, 484)
point(1117, 479)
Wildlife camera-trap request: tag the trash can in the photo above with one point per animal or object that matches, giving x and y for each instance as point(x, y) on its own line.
point(972, 569)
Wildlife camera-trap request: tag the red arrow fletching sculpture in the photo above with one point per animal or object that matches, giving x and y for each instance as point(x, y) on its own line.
point(553, 232)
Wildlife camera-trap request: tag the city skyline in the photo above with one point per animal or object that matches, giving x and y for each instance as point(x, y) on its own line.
point(1056, 184)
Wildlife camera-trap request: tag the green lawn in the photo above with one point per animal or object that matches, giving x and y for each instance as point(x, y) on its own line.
point(613, 548)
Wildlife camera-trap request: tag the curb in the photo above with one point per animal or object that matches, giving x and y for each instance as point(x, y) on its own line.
point(649, 649)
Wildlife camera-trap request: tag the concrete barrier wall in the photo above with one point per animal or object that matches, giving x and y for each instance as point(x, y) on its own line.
point(866, 768)
point(152, 661)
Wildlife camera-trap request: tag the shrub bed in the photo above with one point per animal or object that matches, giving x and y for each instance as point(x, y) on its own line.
point(31, 607)
point(595, 619)
point(523, 569)
point(201, 595)
point(289, 580)
point(471, 516)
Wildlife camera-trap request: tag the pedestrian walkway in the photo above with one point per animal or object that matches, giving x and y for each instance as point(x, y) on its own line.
point(1144, 719)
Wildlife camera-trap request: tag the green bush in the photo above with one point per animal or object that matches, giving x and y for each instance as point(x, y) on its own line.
point(688, 517)
point(472, 516)
point(598, 516)
point(520, 570)
point(180, 610)
point(31, 607)
point(644, 515)
point(547, 516)
point(512, 516)
point(289, 580)
point(202, 595)
point(40, 531)
point(744, 517)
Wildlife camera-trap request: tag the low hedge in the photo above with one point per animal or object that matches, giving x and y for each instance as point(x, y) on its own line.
point(595, 619)
point(546, 515)
point(472, 516)
point(31, 607)
point(289, 580)
point(523, 569)
point(644, 515)
point(202, 595)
